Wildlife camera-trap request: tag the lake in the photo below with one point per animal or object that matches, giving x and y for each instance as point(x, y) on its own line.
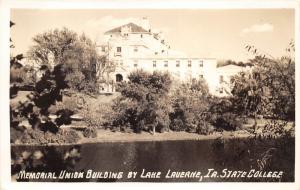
point(155, 161)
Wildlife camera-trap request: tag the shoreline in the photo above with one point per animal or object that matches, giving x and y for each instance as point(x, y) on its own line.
point(106, 136)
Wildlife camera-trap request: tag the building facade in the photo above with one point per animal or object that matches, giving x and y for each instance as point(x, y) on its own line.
point(136, 47)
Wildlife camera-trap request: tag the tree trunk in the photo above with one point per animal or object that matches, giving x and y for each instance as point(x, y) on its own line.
point(153, 129)
point(255, 124)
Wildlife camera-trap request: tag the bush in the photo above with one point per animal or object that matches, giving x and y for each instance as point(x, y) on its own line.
point(97, 116)
point(17, 75)
point(228, 122)
point(205, 128)
point(35, 136)
point(144, 102)
point(73, 102)
point(90, 132)
point(190, 102)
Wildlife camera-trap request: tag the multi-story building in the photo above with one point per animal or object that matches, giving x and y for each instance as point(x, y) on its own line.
point(136, 47)
point(224, 74)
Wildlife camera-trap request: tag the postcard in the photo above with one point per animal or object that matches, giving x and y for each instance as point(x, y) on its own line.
point(151, 93)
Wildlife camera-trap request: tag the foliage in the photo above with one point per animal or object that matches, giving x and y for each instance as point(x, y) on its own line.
point(22, 76)
point(35, 110)
point(231, 62)
point(34, 113)
point(44, 158)
point(78, 54)
point(35, 136)
point(97, 114)
point(223, 116)
point(228, 122)
point(19, 75)
point(269, 90)
point(144, 102)
point(190, 102)
point(90, 132)
point(205, 128)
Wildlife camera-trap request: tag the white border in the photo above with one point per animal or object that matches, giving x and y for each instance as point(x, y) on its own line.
point(6, 5)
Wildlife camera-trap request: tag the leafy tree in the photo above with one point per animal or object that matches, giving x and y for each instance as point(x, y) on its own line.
point(35, 111)
point(50, 47)
point(268, 90)
point(190, 102)
point(78, 54)
point(144, 102)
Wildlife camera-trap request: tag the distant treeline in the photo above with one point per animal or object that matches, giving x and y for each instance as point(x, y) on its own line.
point(231, 62)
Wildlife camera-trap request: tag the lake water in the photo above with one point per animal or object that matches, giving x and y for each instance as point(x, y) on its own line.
point(241, 155)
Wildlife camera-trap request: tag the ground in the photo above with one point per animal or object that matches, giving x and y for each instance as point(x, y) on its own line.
point(109, 136)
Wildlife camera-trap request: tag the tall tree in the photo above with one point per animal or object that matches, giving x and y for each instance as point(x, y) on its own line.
point(269, 89)
point(78, 55)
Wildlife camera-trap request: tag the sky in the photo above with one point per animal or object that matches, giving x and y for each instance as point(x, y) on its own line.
point(208, 33)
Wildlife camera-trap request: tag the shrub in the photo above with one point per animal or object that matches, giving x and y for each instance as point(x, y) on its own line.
point(35, 136)
point(17, 75)
point(228, 122)
point(75, 80)
point(97, 116)
point(90, 132)
point(205, 128)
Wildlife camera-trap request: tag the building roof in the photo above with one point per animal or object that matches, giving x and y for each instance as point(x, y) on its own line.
point(134, 28)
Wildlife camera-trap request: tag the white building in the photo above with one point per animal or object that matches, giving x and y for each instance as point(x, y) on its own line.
point(135, 47)
point(224, 74)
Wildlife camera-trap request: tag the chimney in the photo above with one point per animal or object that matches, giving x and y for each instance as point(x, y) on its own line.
point(145, 24)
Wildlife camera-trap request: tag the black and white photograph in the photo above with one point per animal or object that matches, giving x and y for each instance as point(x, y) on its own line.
point(152, 95)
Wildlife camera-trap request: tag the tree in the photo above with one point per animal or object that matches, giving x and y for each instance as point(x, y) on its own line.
point(34, 112)
point(104, 67)
point(78, 54)
point(190, 103)
point(269, 89)
point(144, 102)
point(50, 47)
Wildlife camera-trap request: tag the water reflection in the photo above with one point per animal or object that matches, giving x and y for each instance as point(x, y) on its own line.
point(233, 154)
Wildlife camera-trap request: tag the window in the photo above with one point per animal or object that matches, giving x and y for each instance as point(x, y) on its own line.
point(201, 76)
point(166, 64)
point(154, 63)
point(200, 63)
point(177, 63)
point(103, 48)
point(110, 35)
point(135, 63)
point(135, 49)
point(221, 78)
point(141, 35)
point(119, 49)
point(156, 53)
point(189, 63)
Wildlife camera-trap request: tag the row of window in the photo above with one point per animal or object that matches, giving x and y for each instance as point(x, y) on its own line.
point(166, 63)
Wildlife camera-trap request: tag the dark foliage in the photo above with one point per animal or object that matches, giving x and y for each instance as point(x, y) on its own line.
point(35, 112)
point(190, 103)
point(46, 159)
point(144, 104)
point(90, 132)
